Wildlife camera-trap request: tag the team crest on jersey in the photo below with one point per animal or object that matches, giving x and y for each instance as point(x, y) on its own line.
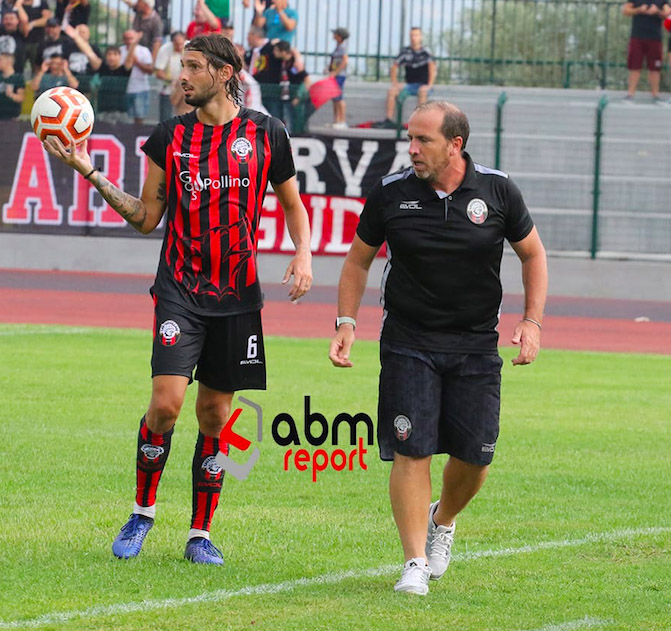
point(169, 333)
point(477, 211)
point(241, 149)
point(402, 427)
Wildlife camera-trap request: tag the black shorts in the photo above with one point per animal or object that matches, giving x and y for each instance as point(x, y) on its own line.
point(432, 402)
point(227, 350)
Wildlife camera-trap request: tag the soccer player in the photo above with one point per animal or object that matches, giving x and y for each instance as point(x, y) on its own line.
point(208, 172)
point(444, 220)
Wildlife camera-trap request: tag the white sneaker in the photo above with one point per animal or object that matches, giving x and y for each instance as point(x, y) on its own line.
point(438, 544)
point(339, 125)
point(415, 577)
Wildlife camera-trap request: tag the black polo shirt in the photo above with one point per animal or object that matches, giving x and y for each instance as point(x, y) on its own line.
point(441, 288)
point(647, 26)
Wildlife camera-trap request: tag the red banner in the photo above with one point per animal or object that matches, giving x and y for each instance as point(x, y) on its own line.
point(39, 194)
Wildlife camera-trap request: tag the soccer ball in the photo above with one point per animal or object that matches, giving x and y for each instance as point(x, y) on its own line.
point(62, 112)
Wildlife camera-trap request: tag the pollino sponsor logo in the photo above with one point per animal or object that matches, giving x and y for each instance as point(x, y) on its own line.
point(198, 183)
point(316, 430)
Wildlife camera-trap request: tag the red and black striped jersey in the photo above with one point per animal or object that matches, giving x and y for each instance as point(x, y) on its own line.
point(216, 180)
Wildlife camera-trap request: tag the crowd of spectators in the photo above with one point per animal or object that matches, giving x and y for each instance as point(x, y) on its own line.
point(47, 44)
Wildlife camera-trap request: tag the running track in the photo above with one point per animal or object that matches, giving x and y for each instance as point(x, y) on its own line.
point(111, 300)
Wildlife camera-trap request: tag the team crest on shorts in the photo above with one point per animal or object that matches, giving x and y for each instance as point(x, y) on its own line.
point(211, 470)
point(152, 452)
point(241, 149)
point(169, 333)
point(402, 427)
point(477, 211)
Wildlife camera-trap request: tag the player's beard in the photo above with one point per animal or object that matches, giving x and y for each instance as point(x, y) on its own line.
point(201, 100)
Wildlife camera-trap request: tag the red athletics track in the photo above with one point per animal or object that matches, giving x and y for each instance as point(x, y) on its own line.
point(110, 300)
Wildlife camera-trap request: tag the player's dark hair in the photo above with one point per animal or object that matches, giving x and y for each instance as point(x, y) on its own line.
point(219, 51)
point(114, 49)
point(454, 122)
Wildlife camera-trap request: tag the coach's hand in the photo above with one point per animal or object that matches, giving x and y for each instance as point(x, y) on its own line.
point(528, 336)
point(341, 345)
point(76, 156)
point(301, 269)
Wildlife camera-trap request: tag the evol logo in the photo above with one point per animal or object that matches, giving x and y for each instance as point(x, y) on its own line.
point(285, 433)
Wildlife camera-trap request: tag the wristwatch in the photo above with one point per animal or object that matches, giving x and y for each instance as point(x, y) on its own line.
point(345, 320)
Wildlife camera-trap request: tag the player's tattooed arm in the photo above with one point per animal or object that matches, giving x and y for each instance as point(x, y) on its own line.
point(160, 193)
point(132, 209)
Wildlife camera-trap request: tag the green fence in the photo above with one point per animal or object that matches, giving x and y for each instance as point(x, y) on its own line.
point(542, 43)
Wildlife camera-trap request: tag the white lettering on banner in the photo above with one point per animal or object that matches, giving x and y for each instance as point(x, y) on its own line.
point(353, 179)
point(317, 204)
point(340, 206)
point(33, 195)
point(267, 230)
point(402, 160)
point(88, 207)
point(307, 163)
point(144, 169)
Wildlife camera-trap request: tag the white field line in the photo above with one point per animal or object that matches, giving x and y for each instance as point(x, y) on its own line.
point(575, 625)
point(45, 331)
point(324, 579)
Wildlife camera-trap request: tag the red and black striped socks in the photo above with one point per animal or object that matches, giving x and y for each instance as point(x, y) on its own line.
point(207, 478)
point(152, 453)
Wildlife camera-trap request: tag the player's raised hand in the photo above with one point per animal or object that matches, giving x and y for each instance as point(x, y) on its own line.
point(76, 156)
point(301, 269)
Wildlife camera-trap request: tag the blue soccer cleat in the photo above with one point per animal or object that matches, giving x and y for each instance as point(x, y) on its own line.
point(201, 550)
point(129, 541)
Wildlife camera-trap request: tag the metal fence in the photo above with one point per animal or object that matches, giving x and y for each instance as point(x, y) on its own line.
point(550, 43)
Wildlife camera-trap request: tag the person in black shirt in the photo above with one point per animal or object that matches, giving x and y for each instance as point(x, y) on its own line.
point(54, 43)
point(73, 12)
point(208, 172)
point(12, 40)
point(12, 88)
point(444, 221)
point(37, 12)
point(420, 74)
point(645, 42)
point(79, 59)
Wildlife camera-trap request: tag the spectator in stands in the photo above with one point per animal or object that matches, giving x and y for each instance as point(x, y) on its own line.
point(279, 21)
point(111, 101)
point(52, 73)
point(251, 3)
point(645, 42)
point(420, 74)
point(256, 57)
point(148, 22)
point(167, 68)
point(12, 88)
point(79, 58)
point(338, 70)
point(38, 12)
point(204, 21)
point(55, 42)
point(12, 40)
point(72, 12)
point(220, 8)
point(138, 91)
point(228, 30)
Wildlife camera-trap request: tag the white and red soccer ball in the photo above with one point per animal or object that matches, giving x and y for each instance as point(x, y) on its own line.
point(62, 112)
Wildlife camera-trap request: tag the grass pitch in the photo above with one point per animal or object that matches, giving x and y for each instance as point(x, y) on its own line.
point(571, 531)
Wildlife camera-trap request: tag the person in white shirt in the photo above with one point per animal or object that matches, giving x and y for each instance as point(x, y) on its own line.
point(167, 67)
point(137, 93)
